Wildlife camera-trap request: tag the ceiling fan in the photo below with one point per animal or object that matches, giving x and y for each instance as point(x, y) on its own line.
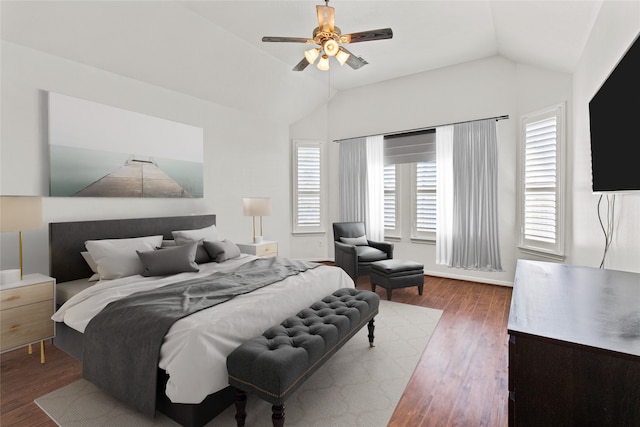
point(329, 38)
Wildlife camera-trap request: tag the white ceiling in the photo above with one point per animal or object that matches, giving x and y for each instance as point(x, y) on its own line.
point(213, 49)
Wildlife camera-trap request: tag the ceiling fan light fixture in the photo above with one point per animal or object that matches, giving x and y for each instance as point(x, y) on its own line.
point(331, 47)
point(311, 55)
point(328, 39)
point(323, 64)
point(342, 56)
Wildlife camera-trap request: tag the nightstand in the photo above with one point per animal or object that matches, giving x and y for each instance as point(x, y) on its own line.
point(26, 308)
point(262, 249)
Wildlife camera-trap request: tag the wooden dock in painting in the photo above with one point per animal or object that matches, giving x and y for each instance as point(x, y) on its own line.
point(137, 178)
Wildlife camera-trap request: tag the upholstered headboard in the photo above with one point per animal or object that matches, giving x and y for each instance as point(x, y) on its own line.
point(66, 239)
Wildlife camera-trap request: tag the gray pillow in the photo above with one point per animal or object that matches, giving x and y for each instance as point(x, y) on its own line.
point(169, 260)
point(202, 256)
point(186, 236)
point(223, 250)
point(358, 241)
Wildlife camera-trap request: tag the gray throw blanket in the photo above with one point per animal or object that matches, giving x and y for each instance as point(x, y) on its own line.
point(122, 343)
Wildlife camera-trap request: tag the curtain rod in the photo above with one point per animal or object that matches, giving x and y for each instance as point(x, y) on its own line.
point(497, 118)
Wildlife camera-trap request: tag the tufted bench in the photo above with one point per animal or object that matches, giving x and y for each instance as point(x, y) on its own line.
point(396, 273)
point(275, 364)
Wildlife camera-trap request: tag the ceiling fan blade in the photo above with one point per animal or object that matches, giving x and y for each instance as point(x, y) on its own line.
point(287, 39)
point(326, 16)
point(353, 61)
point(365, 36)
point(301, 65)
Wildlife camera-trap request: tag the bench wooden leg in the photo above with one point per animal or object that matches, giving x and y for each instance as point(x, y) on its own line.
point(277, 415)
point(371, 327)
point(420, 287)
point(241, 405)
point(389, 294)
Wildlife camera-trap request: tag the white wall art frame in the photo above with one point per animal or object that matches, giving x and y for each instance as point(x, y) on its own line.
point(101, 151)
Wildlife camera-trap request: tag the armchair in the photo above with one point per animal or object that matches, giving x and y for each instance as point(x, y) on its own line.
point(354, 253)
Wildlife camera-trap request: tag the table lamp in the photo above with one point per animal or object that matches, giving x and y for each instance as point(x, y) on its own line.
point(19, 213)
point(256, 206)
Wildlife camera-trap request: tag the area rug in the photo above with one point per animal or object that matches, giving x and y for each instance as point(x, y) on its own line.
point(357, 386)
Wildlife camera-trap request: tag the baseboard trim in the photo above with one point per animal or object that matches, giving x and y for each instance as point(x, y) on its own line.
point(469, 278)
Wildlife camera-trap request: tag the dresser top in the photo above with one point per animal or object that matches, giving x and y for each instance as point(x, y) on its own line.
point(27, 279)
point(595, 307)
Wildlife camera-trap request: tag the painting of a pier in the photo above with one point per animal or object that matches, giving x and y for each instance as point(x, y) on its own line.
point(102, 151)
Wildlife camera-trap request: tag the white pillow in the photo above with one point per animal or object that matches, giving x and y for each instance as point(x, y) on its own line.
point(116, 258)
point(92, 264)
point(358, 241)
point(185, 236)
point(101, 248)
point(122, 263)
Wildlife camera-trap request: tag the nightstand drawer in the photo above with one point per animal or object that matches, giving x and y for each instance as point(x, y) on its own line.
point(267, 250)
point(26, 324)
point(17, 297)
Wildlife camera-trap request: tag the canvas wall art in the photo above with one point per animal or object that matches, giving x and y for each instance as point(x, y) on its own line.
point(98, 150)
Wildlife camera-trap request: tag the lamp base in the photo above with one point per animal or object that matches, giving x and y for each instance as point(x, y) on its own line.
point(257, 239)
point(9, 276)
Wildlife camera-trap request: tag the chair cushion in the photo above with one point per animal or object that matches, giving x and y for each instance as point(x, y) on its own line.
point(369, 254)
point(348, 229)
point(391, 266)
point(357, 241)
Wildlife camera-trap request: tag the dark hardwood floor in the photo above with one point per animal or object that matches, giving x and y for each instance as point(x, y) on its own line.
point(461, 379)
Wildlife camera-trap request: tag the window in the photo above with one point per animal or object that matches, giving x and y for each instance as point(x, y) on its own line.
point(308, 197)
point(410, 184)
point(424, 200)
point(541, 198)
point(391, 223)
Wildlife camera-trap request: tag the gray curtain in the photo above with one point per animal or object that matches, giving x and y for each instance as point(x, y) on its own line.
point(353, 179)
point(475, 241)
point(361, 171)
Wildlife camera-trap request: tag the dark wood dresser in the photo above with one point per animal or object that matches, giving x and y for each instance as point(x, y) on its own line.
point(574, 346)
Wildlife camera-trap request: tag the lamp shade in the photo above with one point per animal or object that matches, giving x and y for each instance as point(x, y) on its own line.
point(311, 55)
point(342, 56)
point(256, 206)
point(323, 64)
point(19, 213)
point(330, 47)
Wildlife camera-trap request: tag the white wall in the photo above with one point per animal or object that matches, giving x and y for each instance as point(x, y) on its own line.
point(496, 86)
point(313, 246)
point(244, 154)
point(476, 90)
point(617, 25)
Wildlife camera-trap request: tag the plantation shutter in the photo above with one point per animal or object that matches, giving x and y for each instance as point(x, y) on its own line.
point(390, 198)
point(540, 181)
point(308, 210)
point(425, 202)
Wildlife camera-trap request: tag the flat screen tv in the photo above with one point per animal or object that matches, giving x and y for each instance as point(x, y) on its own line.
point(614, 119)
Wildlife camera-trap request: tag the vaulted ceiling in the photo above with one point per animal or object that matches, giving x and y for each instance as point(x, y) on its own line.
point(213, 49)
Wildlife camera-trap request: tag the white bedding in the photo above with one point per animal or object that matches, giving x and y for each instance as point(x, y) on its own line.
point(195, 349)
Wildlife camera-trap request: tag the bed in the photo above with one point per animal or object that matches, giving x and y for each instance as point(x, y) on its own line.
point(191, 390)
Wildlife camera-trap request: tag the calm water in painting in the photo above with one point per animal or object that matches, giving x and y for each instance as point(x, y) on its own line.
point(73, 169)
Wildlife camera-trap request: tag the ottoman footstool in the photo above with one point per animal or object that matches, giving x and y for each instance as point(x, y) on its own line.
point(397, 273)
point(274, 365)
